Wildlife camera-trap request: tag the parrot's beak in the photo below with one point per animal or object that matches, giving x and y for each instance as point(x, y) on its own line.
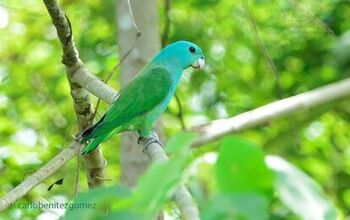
point(199, 63)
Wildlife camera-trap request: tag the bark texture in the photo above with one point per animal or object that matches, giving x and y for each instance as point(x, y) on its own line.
point(81, 98)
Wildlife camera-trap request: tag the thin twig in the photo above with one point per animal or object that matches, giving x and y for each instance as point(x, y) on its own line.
point(165, 36)
point(272, 66)
point(180, 113)
point(166, 30)
point(77, 176)
point(66, 135)
point(104, 179)
point(138, 33)
point(264, 51)
point(316, 19)
point(114, 70)
point(137, 36)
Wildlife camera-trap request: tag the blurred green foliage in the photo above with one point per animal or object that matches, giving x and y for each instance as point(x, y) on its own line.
point(244, 188)
point(308, 42)
point(149, 195)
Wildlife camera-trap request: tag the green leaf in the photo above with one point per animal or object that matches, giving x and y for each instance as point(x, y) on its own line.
point(180, 143)
point(245, 183)
point(299, 192)
point(241, 168)
point(121, 215)
point(161, 178)
point(98, 199)
point(238, 206)
point(150, 194)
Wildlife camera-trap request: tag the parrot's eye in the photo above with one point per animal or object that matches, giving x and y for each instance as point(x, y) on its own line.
point(192, 49)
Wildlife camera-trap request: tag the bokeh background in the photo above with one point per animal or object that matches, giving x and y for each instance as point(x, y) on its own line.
point(256, 52)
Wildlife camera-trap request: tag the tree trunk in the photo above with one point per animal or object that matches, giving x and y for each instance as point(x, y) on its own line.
point(133, 160)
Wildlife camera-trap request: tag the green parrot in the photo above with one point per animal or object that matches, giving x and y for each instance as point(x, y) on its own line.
point(145, 98)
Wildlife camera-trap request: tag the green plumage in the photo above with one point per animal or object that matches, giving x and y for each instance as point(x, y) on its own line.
point(130, 109)
point(141, 102)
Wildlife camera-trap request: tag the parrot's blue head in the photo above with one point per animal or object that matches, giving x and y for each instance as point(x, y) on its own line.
point(181, 54)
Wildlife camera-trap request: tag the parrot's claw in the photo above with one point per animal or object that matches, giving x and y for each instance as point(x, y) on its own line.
point(77, 137)
point(140, 140)
point(148, 141)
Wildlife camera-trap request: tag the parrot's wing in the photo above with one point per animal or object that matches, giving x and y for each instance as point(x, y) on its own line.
point(143, 93)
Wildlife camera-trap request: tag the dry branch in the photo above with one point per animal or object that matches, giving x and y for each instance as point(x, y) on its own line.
point(82, 104)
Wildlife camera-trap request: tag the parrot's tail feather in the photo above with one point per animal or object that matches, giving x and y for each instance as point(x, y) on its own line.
point(87, 134)
point(85, 139)
point(91, 146)
point(95, 142)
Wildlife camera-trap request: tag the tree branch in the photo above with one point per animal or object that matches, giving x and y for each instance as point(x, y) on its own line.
point(275, 110)
point(209, 132)
point(182, 196)
point(155, 152)
point(82, 104)
point(265, 52)
point(80, 77)
point(39, 176)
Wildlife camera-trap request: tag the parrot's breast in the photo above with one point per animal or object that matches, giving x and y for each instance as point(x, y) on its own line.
point(160, 108)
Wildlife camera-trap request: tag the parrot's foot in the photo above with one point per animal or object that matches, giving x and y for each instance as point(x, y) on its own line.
point(140, 140)
point(153, 138)
point(77, 137)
